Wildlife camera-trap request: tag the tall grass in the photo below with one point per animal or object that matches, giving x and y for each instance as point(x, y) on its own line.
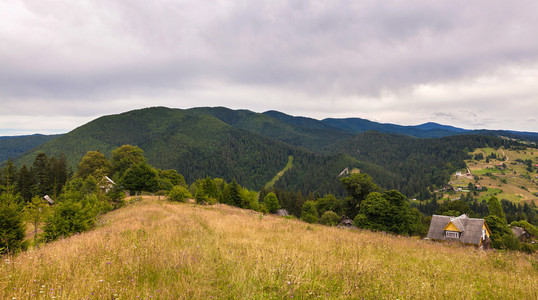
point(161, 250)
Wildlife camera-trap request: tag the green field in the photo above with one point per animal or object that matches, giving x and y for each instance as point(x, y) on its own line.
point(487, 170)
point(514, 183)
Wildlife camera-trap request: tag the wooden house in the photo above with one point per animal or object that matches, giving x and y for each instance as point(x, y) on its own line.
point(346, 222)
point(522, 234)
point(106, 184)
point(48, 199)
point(282, 213)
point(460, 229)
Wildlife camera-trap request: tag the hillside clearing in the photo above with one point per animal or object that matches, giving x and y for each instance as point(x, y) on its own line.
point(514, 181)
point(288, 166)
point(162, 250)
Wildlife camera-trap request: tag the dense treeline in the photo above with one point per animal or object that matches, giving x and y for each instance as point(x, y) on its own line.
point(479, 209)
point(77, 198)
point(316, 173)
point(498, 214)
point(251, 148)
point(80, 197)
point(45, 176)
point(411, 165)
point(13, 146)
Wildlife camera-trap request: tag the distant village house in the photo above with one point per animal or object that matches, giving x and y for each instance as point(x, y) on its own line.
point(48, 199)
point(106, 184)
point(522, 234)
point(460, 229)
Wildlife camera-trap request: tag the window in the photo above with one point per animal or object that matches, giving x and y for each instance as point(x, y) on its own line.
point(452, 234)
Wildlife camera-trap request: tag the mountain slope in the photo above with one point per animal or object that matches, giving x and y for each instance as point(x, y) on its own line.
point(197, 144)
point(437, 126)
point(357, 125)
point(297, 131)
point(412, 165)
point(160, 250)
point(13, 146)
point(252, 148)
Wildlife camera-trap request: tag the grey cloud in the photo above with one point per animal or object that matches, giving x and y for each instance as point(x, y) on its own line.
point(334, 46)
point(92, 51)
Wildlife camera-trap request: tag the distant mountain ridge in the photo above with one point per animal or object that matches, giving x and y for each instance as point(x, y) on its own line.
point(253, 147)
point(14, 146)
point(434, 126)
point(296, 130)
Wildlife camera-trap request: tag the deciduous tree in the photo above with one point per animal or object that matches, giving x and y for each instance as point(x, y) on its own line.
point(125, 157)
point(358, 186)
point(93, 163)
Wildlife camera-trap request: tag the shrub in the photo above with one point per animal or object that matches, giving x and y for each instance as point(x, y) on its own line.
point(201, 197)
point(309, 212)
point(179, 193)
point(511, 242)
point(70, 217)
point(116, 195)
point(329, 218)
point(528, 248)
point(263, 209)
point(271, 203)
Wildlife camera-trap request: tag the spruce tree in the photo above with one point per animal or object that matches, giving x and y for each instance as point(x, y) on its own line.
point(11, 224)
point(496, 209)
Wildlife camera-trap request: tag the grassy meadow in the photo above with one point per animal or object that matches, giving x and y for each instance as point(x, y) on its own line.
point(160, 250)
point(514, 183)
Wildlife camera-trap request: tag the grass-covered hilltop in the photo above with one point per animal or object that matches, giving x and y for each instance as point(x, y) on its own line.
point(215, 203)
point(155, 249)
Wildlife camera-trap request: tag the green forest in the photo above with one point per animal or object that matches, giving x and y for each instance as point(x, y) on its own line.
point(100, 184)
point(252, 147)
point(218, 155)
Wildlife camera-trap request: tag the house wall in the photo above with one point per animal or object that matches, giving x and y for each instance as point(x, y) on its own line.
point(451, 227)
point(487, 229)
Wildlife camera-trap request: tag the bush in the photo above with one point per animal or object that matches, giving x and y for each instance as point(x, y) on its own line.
point(116, 195)
point(511, 242)
point(528, 248)
point(309, 212)
point(271, 203)
point(179, 193)
point(329, 218)
point(71, 216)
point(201, 197)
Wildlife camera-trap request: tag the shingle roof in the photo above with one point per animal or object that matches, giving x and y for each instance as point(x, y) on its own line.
point(49, 199)
point(471, 228)
point(459, 222)
point(518, 231)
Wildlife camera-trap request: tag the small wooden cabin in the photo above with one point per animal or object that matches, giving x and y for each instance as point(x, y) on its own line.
point(48, 199)
point(106, 184)
point(522, 234)
point(460, 229)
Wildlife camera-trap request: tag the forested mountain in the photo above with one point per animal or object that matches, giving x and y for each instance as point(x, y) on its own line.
point(252, 147)
point(198, 143)
point(14, 146)
point(297, 131)
point(426, 130)
point(411, 165)
point(357, 125)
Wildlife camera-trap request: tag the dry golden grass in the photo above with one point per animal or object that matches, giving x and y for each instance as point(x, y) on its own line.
point(161, 250)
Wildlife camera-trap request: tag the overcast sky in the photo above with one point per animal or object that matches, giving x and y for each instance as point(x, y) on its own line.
point(471, 64)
